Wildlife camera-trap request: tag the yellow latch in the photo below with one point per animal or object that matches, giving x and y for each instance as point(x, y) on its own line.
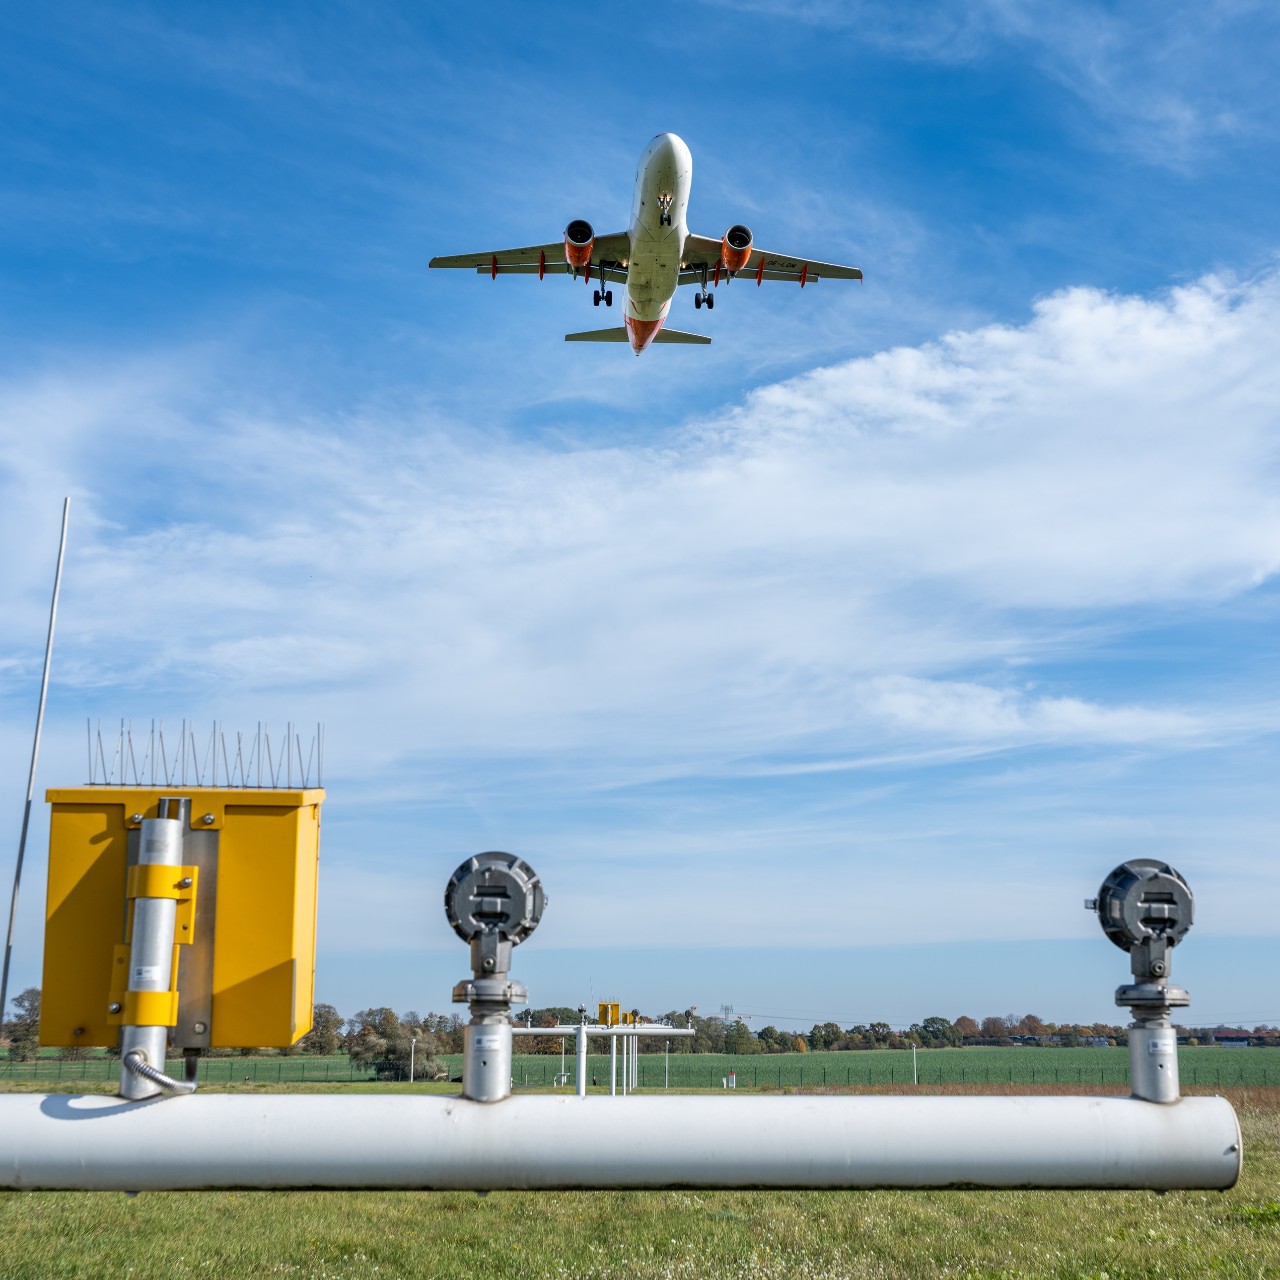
point(152, 1008)
point(158, 881)
point(140, 1008)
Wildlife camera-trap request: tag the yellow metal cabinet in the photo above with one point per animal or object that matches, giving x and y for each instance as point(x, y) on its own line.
point(247, 976)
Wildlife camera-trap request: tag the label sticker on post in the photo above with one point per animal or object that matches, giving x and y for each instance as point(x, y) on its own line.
point(486, 1042)
point(146, 973)
point(1159, 1046)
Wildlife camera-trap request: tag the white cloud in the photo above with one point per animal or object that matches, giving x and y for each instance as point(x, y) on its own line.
point(780, 622)
point(831, 553)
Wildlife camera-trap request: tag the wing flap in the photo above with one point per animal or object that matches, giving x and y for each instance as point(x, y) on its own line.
point(700, 251)
point(615, 247)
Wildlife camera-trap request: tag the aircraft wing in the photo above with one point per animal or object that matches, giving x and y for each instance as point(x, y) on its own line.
point(611, 252)
point(761, 265)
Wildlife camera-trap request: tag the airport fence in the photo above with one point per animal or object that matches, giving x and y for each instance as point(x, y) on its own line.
point(1199, 1066)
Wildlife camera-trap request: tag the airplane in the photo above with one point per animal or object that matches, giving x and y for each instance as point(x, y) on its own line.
point(657, 254)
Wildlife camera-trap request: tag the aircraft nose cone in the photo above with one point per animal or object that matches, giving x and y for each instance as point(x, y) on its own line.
point(672, 144)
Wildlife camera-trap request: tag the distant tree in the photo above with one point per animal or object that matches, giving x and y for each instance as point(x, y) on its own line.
point(825, 1035)
point(370, 1032)
point(879, 1032)
point(994, 1029)
point(966, 1028)
point(738, 1039)
point(938, 1032)
point(325, 1036)
point(1034, 1026)
point(709, 1034)
point(800, 1045)
point(447, 1029)
point(23, 1029)
point(775, 1041)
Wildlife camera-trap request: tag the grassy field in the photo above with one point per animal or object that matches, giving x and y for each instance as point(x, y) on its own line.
point(1216, 1067)
point(670, 1235)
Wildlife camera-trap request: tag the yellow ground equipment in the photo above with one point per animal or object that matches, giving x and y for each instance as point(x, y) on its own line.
point(244, 971)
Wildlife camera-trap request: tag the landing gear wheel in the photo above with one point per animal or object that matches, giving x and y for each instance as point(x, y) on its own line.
point(711, 301)
point(697, 301)
point(595, 298)
point(608, 298)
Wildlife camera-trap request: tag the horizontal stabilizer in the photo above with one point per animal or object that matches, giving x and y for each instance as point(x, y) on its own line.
point(679, 335)
point(620, 335)
point(598, 335)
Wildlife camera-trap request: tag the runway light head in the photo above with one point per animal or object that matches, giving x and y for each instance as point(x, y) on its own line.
point(1144, 900)
point(494, 894)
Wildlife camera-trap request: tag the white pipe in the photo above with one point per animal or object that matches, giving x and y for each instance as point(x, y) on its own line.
point(92, 1142)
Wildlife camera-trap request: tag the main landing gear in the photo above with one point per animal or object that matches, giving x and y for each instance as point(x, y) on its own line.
point(606, 297)
point(664, 210)
point(704, 295)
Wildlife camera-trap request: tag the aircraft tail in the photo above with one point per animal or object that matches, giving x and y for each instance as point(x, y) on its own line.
point(620, 335)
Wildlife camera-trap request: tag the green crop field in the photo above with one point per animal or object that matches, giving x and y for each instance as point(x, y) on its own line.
point(1216, 1067)
point(659, 1235)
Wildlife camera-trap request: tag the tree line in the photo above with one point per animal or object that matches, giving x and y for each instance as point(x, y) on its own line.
point(388, 1042)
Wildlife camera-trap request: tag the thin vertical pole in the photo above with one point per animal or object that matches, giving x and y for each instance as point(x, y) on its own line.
point(35, 753)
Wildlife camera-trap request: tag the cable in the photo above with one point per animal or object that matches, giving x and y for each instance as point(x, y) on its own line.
point(138, 1064)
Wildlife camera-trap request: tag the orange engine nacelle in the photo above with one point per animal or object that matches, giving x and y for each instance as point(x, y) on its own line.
point(735, 248)
point(579, 240)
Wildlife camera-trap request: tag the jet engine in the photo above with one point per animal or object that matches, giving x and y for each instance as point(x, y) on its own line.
point(579, 240)
point(735, 248)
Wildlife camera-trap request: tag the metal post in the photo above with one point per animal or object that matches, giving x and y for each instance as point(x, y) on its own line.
point(151, 950)
point(613, 1066)
point(915, 1074)
point(413, 1045)
point(35, 753)
point(666, 1066)
point(1145, 907)
point(581, 1047)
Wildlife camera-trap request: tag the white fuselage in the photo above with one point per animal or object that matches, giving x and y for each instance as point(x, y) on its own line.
point(658, 231)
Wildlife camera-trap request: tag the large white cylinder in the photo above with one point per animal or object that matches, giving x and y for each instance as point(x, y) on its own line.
point(407, 1141)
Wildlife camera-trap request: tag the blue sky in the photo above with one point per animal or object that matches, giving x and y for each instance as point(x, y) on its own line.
point(821, 672)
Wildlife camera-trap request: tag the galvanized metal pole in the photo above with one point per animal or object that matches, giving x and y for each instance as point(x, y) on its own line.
point(35, 753)
point(151, 948)
point(613, 1066)
point(581, 1047)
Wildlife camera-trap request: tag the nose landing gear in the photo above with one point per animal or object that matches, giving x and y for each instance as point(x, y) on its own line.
point(664, 210)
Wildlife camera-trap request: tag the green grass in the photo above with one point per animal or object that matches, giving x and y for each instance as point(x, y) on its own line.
point(673, 1235)
point(1216, 1067)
